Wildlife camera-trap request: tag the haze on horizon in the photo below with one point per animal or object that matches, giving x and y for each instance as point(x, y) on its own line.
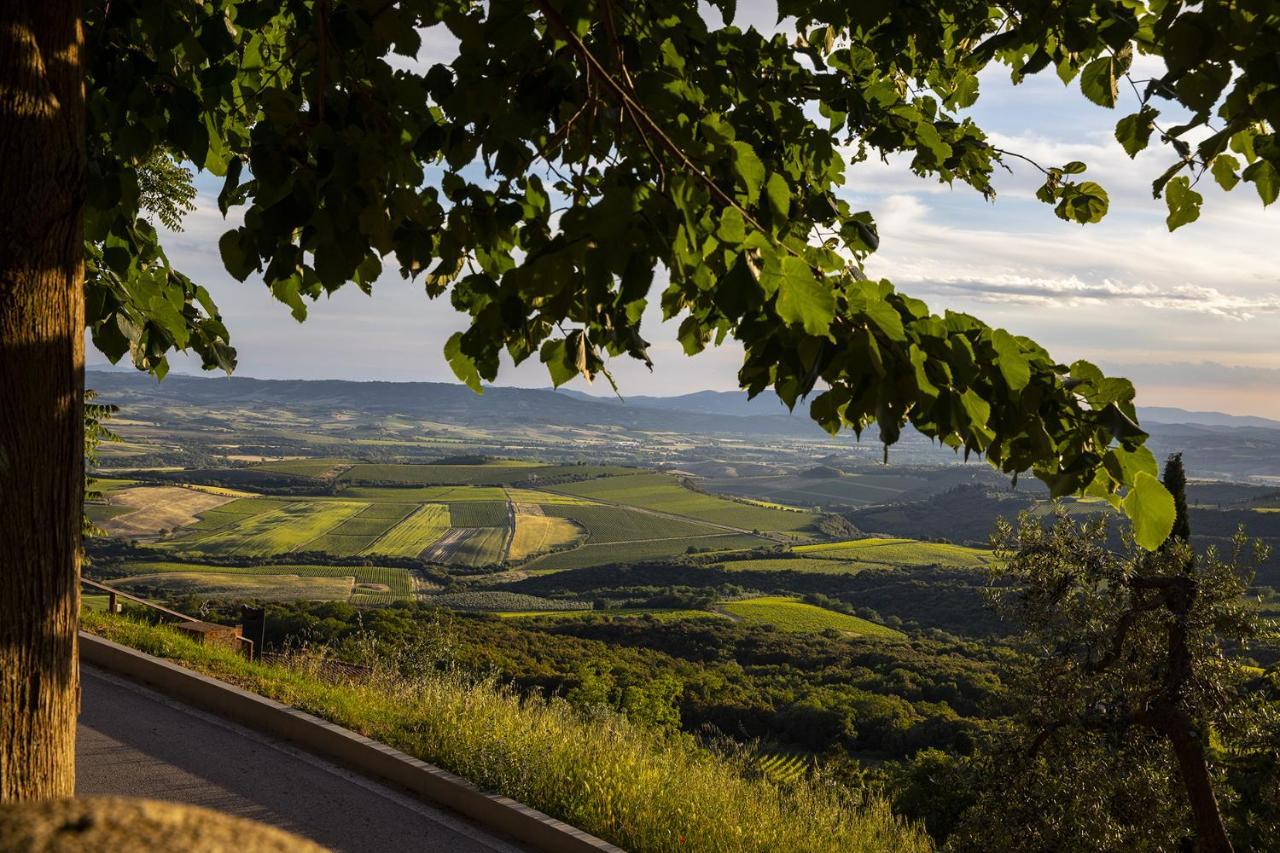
point(1191, 317)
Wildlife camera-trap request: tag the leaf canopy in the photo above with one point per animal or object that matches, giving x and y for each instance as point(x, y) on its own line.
point(572, 152)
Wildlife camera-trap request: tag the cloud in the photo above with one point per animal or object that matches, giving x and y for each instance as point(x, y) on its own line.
point(1072, 291)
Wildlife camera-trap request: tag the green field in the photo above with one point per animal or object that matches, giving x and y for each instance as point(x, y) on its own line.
point(479, 514)
point(288, 528)
point(663, 493)
point(486, 474)
point(544, 498)
point(237, 510)
point(851, 489)
point(792, 614)
point(357, 533)
point(374, 584)
point(625, 552)
point(619, 613)
point(240, 587)
point(495, 601)
point(434, 494)
point(899, 552)
point(414, 534)
point(304, 467)
point(620, 524)
point(477, 546)
point(798, 564)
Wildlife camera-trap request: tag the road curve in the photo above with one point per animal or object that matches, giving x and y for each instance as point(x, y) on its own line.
point(134, 742)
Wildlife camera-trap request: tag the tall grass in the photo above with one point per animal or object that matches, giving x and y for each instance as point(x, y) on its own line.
point(640, 789)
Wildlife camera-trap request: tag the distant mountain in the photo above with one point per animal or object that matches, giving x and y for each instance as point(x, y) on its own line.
point(731, 403)
point(1169, 415)
point(1215, 445)
point(709, 413)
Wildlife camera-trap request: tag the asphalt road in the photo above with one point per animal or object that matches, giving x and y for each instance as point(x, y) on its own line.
point(138, 743)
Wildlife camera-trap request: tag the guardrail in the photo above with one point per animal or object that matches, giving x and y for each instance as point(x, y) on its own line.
point(188, 624)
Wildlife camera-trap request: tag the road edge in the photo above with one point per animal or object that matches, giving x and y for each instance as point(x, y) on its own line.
point(353, 750)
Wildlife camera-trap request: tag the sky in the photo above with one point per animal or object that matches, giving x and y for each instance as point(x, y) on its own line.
point(1193, 317)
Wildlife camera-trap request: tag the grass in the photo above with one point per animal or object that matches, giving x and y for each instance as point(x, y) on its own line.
point(289, 528)
point(535, 534)
point(620, 524)
point(662, 492)
point(415, 534)
point(398, 582)
point(899, 552)
point(634, 787)
point(792, 614)
point(625, 552)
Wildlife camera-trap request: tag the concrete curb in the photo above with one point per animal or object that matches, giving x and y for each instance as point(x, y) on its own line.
point(501, 814)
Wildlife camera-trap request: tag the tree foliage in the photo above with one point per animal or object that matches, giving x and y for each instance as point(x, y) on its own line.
point(1140, 724)
point(574, 153)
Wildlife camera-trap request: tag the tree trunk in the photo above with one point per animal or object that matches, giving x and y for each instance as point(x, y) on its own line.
point(1211, 835)
point(42, 157)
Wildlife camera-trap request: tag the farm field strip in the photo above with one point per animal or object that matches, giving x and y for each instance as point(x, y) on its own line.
point(480, 514)
point(602, 554)
point(810, 565)
point(619, 613)
point(489, 473)
point(424, 494)
point(278, 587)
point(469, 546)
point(542, 497)
point(279, 531)
point(622, 524)
point(792, 614)
point(151, 509)
point(663, 493)
point(899, 552)
point(417, 532)
point(398, 582)
point(537, 533)
point(229, 513)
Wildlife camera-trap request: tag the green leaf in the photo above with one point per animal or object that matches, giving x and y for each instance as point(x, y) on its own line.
point(561, 364)
point(1183, 202)
point(733, 229)
point(1224, 171)
point(886, 319)
point(1265, 178)
point(779, 195)
point(237, 260)
point(804, 299)
point(464, 367)
point(1098, 82)
point(1013, 365)
point(1151, 509)
point(1133, 132)
point(749, 169)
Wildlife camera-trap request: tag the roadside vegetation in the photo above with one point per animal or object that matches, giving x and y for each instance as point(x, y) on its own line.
point(640, 788)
